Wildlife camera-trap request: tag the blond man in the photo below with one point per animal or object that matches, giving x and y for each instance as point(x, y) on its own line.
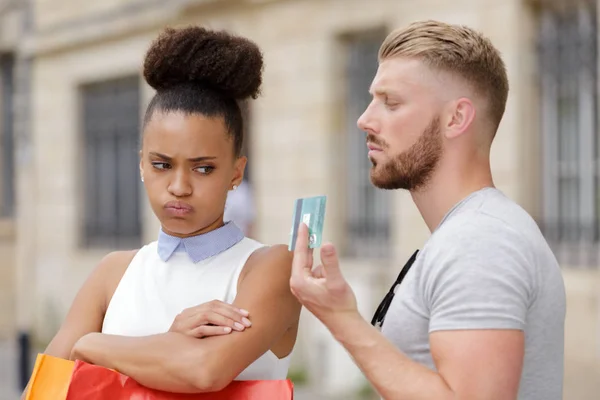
point(479, 311)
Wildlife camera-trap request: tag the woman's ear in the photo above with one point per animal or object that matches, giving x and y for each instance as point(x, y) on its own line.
point(141, 167)
point(238, 171)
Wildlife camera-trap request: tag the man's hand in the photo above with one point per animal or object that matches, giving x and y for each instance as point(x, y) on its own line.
point(211, 319)
point(322, 290)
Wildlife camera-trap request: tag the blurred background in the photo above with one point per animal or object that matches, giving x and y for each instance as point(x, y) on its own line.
point(71, 99)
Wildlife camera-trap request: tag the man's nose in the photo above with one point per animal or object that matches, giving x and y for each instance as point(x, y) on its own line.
point(366, 122)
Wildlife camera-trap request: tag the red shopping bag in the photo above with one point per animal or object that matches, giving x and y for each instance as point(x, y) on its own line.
point(91, 382)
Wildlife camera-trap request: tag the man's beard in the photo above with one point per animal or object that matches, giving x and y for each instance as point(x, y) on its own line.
point(412, 169)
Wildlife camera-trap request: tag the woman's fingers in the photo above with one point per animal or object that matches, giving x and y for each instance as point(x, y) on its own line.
point(207, 330)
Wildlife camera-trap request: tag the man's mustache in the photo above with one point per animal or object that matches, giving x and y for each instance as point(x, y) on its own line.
point(376, 141)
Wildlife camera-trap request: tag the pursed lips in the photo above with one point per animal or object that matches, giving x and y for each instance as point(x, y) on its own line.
point(178, 208)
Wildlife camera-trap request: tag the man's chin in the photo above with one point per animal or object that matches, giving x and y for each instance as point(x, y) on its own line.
point(389, 178)
point(382, 180)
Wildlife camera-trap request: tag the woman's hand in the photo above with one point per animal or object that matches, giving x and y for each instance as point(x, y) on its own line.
point(211, 319)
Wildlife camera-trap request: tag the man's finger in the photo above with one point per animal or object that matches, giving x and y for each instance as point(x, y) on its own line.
point(330, 262)
point(319, 272)
point(302, 254)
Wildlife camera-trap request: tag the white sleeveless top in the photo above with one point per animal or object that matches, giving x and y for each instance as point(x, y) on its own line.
point(152, 292)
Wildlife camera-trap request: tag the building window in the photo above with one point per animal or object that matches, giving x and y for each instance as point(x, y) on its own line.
point(571, 197)
point(7, 109)
point(367, 208)
point(111, 125)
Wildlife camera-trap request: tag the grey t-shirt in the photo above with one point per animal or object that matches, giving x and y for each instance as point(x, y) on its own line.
point(486, 266)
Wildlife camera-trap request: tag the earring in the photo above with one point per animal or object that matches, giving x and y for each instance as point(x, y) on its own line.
point(234, 187)
point(142, 179)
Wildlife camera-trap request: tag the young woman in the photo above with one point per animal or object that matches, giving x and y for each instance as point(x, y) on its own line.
point(203, 305)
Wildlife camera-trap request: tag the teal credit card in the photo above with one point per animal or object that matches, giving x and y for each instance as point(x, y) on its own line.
point(311, 211)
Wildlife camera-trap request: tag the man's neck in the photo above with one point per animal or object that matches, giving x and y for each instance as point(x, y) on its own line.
point(447, 188)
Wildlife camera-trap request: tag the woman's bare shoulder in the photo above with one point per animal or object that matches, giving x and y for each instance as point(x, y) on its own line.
point(275, 259)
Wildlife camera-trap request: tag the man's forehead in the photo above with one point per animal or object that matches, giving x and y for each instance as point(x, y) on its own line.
point(399, 74)
point(394, 76)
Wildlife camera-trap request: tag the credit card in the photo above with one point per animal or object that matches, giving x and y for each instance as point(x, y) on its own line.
point(311, 211)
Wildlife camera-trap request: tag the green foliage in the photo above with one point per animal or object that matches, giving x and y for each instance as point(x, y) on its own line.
point(298, 376)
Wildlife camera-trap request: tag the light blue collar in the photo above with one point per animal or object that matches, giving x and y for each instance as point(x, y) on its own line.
point(200, 247)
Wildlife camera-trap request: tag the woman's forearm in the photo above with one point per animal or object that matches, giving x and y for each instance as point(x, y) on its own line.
point(168, 362)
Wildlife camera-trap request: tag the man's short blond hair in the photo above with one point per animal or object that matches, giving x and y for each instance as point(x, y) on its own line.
point(458, 50)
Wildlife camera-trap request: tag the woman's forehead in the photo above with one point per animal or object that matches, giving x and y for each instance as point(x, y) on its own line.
point(178, 133)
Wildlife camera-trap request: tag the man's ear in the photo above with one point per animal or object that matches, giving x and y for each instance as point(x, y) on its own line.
point(460, 116)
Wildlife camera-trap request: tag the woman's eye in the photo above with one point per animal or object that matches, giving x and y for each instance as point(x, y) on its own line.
point(205, 170)
point(160, 165)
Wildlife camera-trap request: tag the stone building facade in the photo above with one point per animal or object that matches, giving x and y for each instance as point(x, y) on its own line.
point(79, 98)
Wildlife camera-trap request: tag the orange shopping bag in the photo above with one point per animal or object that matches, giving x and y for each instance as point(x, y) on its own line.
point(50, 378)
point(91, 382)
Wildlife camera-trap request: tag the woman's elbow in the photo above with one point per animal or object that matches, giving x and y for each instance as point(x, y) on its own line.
point(207, 376)
point(205, 370)
point(208, 381)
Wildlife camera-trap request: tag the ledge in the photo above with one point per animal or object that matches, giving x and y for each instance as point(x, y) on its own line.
point(119, 22)
point(100, 27)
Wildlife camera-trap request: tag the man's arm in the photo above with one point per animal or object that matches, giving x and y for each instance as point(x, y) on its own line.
point(477, 364)
point(477, 311)
point(177, 363)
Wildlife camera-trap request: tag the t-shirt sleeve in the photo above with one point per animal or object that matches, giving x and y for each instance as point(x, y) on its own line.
point(485, 283)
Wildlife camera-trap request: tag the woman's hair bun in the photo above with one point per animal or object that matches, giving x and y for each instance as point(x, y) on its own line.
point(194, 55)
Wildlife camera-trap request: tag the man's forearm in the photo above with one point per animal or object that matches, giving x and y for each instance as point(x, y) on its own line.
point(389, 371)
point(166, 362)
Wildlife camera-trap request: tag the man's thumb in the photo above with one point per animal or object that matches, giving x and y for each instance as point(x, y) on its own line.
point(330, 261)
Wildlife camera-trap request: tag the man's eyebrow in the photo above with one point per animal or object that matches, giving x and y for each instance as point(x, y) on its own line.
point(379, 91)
